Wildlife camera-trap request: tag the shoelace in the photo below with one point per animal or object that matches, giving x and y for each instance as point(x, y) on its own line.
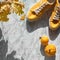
point(57, 15)
point(39, 8)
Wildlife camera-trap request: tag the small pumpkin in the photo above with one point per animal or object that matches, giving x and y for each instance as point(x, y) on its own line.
point(50, 50)
point(44, 40)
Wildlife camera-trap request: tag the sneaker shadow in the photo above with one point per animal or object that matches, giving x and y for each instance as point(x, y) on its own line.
point(53, 34)
point(4, 50)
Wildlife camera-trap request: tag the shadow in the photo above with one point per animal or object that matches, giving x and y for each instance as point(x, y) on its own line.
point(49, 58)
point(22, 58)
point(4, 50)
point(42, 50)
point(11, 56)
point(53, 34)
point(40, 23)
point(0, 33)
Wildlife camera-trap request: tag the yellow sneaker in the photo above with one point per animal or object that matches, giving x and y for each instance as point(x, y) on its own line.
point(54, 20)
point(39, 8)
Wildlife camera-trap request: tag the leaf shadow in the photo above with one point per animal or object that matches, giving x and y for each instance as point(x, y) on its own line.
point(4, 50)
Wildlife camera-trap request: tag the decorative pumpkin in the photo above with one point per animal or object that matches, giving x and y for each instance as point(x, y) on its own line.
point(44, 40)
point(50, 50)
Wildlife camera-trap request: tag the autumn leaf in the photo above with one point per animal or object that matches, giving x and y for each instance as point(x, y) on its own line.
point(17, 8)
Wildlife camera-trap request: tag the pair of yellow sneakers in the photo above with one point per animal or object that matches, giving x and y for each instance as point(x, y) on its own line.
point(41, 7)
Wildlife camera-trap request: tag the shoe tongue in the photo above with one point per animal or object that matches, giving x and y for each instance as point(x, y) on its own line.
point(55, 21)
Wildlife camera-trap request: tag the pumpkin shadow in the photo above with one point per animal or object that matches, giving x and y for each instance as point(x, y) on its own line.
point(42, 50)
point(49, 58)
point(39, 23)
point(53, 34)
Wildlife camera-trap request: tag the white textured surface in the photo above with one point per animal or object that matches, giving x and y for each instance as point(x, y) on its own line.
point(23, 37)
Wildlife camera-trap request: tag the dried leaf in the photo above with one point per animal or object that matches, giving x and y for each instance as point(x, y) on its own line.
point(4, 11)
point(17, 8)
point(23, 17)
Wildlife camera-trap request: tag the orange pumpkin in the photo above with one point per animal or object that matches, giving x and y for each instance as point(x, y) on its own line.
point(50, 50)
point(44, 40)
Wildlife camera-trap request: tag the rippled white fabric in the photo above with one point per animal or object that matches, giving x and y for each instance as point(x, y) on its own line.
point(23, 37)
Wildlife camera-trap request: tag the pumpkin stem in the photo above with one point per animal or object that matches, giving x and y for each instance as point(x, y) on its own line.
point(39, 37)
